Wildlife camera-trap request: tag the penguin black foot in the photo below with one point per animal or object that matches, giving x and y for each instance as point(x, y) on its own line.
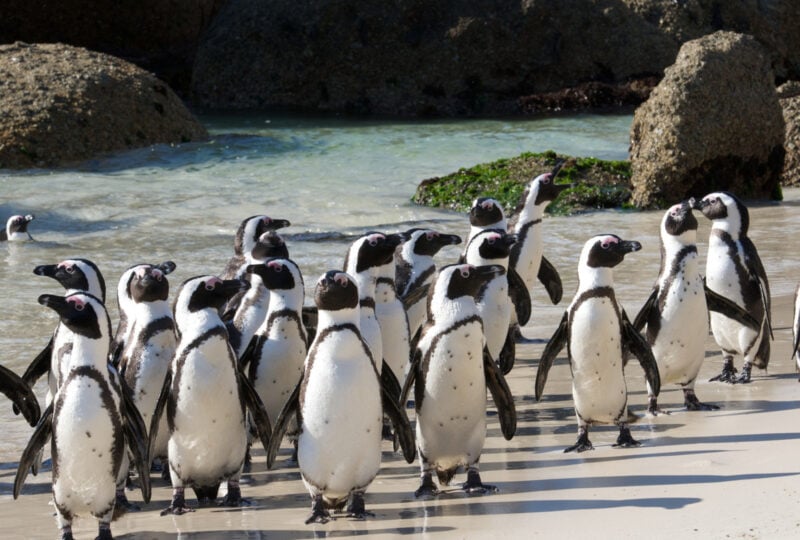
point(474, 484)
point(625, 439)
point(233, 497)
point(427, 488)
point(357, 509)
point(66, 533)
point(386, 432)
point(178, 505)
point(319, 514)
point(582, 444)
point(122, 505)
point(104, 532)
point(728, 373)
point(693, 404)
point(653, 409)
point(744, 376)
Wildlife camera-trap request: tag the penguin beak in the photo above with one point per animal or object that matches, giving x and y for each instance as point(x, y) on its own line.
point(275, 224)
point(54, 302)
point(48, 270)
point(450, 239)
point(510, 239)
point(628, 246)
point(29, 218)
point(557, 167)
point(489, 271)
point(396, 239)
point(695, 204)
point(166, 267)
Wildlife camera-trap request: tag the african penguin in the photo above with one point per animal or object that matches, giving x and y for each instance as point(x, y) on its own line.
point(341, 403)
point(501, 296)
point(734, 271)
point(17, 229)
point(597, 334)
point(205, 395)
point(91, 421)
point(450, 374)
point(415, 269)
point(246, 241)
point(485, 213)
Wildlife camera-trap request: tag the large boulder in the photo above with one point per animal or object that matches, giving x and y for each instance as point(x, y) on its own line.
point(63, 104)
point(713, 122)
point(789, 95)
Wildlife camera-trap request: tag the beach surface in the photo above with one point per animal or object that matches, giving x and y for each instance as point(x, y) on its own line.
point(731, 473)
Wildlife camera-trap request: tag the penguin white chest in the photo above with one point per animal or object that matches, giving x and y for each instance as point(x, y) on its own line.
point(280, 365)
point(495, 310)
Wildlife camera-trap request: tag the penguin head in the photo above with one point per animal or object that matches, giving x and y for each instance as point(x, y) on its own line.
point(81, 312)
point(606, 251)
point(18, 225)
point(147, 283)
point(490, 245)
point(336, 290)
point(427, 242)
point(76, 275)
point(726, 211)
point(679, 219)
point(251, 228)
point(278, 274)
point(269, 245)
point(204, 292)
point(485, 212)
point(372, 250)
point(466, 279)
point(542, 190)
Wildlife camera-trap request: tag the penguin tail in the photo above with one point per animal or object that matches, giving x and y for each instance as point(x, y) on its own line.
point(762, 355)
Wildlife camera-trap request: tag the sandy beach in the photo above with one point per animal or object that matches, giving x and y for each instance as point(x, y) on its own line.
point(732, 473)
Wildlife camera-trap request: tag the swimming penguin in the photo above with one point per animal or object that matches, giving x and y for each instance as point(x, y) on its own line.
point(527, 253)
point(274, 361)
point(17, 229)
point(364, 256)
point(450, 373)
point(92, 419)
point(341, 402)
point(415, 269)
point(796, 328)
point(246, 240)
point(150, 343)
point(676, 313)
point(597, 334)
point(485, 213)
point(19, 392)
point(205, 395)
point(734, 271)
point(504, 295)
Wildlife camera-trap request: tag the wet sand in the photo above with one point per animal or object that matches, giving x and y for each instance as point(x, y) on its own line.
point(732, 473)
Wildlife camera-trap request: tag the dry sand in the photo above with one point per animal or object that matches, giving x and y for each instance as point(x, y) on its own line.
point(732, 473)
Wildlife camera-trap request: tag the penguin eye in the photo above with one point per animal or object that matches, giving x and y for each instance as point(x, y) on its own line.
point(491, 240)
point(70, 269)
point(605, 244)
point(465, 272)
point(79, 306)
point(373, 241)
point(546, 179)
point(431, 235)
point(210, 285)
point(277, 267)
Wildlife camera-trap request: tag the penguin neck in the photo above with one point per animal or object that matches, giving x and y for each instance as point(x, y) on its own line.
point(88, 352)
point(732, 226)
point(284, 299)
point(327, 318)
point(591, 278)
point(150, 310)
point(453, 310)
point(385, 290)
point(257, 293)
point(198, 322)
point(531, 211)
point(367, 282)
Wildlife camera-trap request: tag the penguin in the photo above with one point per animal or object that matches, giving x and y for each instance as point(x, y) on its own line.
point(17, 229)
point(676, 313)
point(527, 257)
point(734, 271)
point(796, 328)
point(19, 392)
point(364, 256)
point(150, 343)
point(450, 373)
point(485, 213)
point(246, 240)
point(126, 303)
point(340, 402)
point(92, 419)
point(392, 317)
point(597, 334)
point(274, 362)
point(205, 396)
point(415, 269)
point(500, 297)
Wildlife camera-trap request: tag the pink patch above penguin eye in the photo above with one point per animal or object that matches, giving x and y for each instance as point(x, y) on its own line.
point(465, 271)
point(276, 266)
point(373, 239)
point(546, 178)
point(78, 304)
point(431, 235)
point(341, 279)
point(212, 283)
point(158, 274)
point(607, 242)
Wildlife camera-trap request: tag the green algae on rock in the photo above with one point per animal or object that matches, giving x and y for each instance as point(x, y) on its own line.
point(595, 183)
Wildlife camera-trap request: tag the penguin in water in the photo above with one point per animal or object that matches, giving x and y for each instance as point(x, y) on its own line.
point(150, 343)
point(527, 257)
point(246, 241)
point(340, 403)
point(597, 334)
point(206, 395)
point(415, 269)
point(734, 271)
point(502, 300)
point(17, 229)
point(274, 361)
point(19, 392)
point(450, 373)
point(796, 328)
point(676, 313)
point(91, 420)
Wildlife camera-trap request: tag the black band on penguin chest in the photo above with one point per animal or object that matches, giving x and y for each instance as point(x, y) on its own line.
point(750, 293)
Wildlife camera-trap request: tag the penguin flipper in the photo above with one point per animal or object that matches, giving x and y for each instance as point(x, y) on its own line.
point(637, 345)
point(249, 352)
point(390, 383)
point(135, 437)
point(520, 296)
point(39, 437)
point(411, 378)
point(290, 409)
point(501, 394)
point(256, 407)
point(644, 313)
point(402, 427)
point(415, 295)
point(757, 272)
point(548, 276)
point(732, 310)
point(161, 404)
point(18, 391)
point(557, 342)
point(40, 365)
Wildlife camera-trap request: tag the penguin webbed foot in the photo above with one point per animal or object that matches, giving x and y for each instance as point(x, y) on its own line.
point(474, 484)
point(178, 505)
point(103, 533)
point(234, 498)
point(582, 444)
point(319, 514)
point(625, 439)
point(122, 505)
point(357, 509)
point(744, 376)
point(693, 404)
point(427, 488)
point(653, 409)
point(728, 373)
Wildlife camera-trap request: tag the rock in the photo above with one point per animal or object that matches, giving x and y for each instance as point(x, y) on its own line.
point(63, 104)
point(713, 123)
point(789, 95)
